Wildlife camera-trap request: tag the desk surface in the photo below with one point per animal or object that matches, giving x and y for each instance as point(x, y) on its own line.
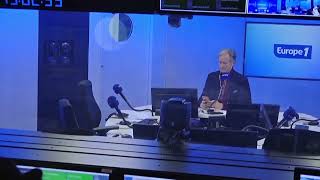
point(143, 157)
point(138, 116)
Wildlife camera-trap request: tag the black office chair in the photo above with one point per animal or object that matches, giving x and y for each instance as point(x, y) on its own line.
point(87, 110)
point(68, 123)
point(83, 118)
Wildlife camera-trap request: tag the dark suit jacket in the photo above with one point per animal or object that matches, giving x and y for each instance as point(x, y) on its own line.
point(238, 88)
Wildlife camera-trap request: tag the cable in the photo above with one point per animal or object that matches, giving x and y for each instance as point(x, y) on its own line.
point(110, 115)
point(220, 91)
point(118, 90)
point(253, 126)
point(302, 120)
point(138, 110)
point(124, 122)
point(260, 136)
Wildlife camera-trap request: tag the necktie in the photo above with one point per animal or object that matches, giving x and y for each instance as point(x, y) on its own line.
point(222, 90)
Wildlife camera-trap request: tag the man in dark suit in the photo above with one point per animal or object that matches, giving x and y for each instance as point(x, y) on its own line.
point(225, 86)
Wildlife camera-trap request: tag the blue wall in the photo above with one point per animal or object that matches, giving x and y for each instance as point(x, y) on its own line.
point(18, 69)
point(127, 63)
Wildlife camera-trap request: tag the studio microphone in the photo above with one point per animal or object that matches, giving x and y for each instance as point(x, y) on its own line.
point(288, 115)
point(114, 104)
point(224, 76)
point(118, 90)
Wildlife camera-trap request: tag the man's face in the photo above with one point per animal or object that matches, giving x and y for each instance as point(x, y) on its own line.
point(225, 63)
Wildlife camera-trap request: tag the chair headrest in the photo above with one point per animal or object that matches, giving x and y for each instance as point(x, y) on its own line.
point(85, 83)
point(85, 87)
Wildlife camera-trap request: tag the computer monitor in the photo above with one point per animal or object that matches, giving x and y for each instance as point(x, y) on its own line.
point(306, 174)
point(273, 113)
point(239, 116)
point(189, 94)
point(53, 173)
point(135, 177)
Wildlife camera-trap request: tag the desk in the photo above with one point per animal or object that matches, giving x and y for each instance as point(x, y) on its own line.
point(143, 157)
point(138, 116)
point(133, 117)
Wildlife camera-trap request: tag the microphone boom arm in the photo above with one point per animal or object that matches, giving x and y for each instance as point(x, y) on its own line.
point(118, 90)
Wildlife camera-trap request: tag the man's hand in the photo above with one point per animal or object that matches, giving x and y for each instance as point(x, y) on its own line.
point(217, 105)
point(206, 103)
